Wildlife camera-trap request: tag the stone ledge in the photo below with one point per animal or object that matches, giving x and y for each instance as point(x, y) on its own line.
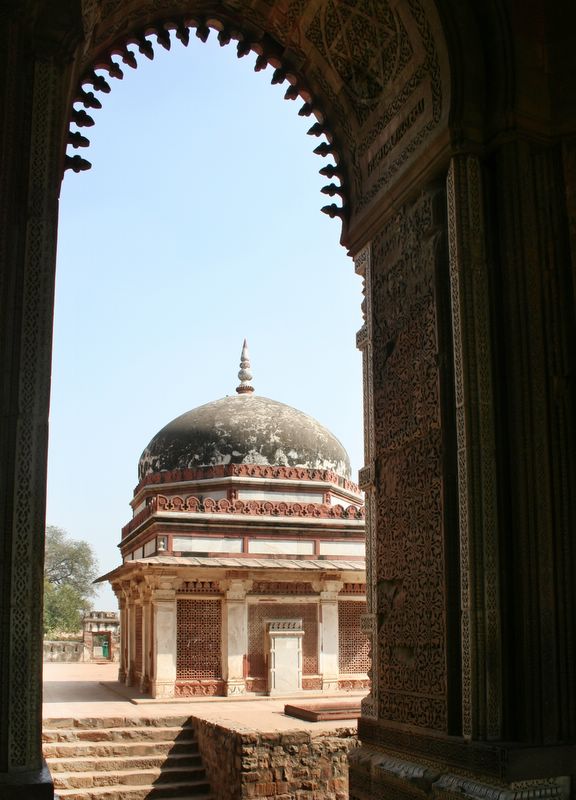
point(375, 773)
point(318, 712)
point(506, 761)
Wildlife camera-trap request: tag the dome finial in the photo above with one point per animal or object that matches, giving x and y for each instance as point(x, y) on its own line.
point(245, 373)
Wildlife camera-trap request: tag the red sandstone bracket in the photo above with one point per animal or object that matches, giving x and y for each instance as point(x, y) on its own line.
point(320, 712)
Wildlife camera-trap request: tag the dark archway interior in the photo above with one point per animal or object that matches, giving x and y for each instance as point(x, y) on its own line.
point(453, 129)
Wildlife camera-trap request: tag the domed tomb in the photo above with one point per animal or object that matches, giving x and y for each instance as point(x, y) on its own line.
point(245, 429)
point(244, 499)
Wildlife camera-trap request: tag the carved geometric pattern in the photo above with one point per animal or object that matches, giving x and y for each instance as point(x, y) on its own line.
point(259, 615)
point(410, 549)
point(364, 42)
point(200, 688)
point(353, 644)
point(312, 684)
point(199, 624)
point(415, 106)
point(353, 684)
point(24, 620)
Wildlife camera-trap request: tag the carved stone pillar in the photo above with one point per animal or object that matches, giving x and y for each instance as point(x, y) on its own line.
point(476, 449)
point(146, 636)
point(31, 100)
point(144, 632)
point(234, 635)
point(131, 638)
point(164, 644)
point(122, 666)
point(138, 643)
point(367, 474)
point(536, 332)
point(329, 634)
point(412, 532)
point(472, 540)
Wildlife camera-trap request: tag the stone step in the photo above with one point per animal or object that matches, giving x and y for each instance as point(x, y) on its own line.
point(115, 722)
point(190, 776)
point(116, 759)
point(184, 791)
point(93, 762)
point(119, 734)
point(77, 749)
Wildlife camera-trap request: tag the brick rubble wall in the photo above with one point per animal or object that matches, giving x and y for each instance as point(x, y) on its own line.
point(295, 765)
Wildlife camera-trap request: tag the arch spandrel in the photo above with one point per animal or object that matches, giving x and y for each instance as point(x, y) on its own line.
point(376, 72)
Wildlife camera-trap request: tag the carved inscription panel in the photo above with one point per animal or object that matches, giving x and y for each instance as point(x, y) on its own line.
point(379, 63)
point(409, 548)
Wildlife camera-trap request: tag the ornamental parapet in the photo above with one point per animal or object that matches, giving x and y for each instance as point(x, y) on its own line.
point(264, 508)
point(246, 471)
point(139, 518)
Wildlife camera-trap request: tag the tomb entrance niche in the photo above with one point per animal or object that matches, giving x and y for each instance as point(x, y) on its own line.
point(283, 647)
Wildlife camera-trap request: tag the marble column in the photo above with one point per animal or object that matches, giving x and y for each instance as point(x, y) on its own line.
point(146, 633)
point(164, 643)
point(234, 635)
point(130, 639)
point(141, 657)
point(329, 635)
point(122, 666)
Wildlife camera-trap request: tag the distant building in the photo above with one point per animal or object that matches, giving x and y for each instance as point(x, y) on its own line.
point(101, 636)
point(243, 565)
point(98, 640)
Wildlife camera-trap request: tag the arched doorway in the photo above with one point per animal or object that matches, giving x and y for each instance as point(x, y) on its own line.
point(457, 162)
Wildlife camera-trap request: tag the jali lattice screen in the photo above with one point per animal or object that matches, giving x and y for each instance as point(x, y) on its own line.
point(198, 641)
point(353, 644)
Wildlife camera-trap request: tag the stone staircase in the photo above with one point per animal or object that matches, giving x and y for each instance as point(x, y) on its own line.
point(125, 759)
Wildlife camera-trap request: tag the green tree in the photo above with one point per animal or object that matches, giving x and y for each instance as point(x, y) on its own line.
point(69, 572)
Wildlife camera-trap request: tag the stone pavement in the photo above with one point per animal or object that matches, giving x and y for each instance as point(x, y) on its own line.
point(80, 691)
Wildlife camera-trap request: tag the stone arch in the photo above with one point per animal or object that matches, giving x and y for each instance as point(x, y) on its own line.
point(380, 92)
point(391, 126)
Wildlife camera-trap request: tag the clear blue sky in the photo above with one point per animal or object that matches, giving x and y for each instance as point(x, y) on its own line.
point(199, 224)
